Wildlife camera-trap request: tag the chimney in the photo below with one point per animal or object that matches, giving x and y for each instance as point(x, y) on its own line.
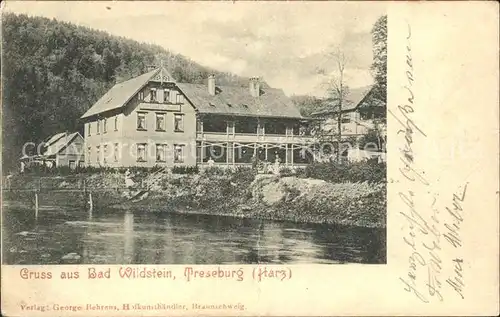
point(211, 84)
point(254, 87)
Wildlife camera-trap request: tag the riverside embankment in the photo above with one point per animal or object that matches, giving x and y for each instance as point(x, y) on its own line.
point(240, 193)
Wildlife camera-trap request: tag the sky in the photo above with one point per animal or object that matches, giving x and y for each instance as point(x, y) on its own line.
point(287, 44)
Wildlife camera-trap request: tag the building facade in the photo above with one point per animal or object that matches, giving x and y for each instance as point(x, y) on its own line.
point(61, 149)
point(361, 113)
point(152, 120)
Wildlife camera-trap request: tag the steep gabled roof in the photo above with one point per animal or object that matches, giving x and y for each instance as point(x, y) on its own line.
point(355, 98)
point(54, 138)
point(61, 143)
point(120, 94)
point(238, 101)
point(229, 100)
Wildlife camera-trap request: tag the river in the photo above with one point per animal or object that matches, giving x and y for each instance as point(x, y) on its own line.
point(66, 236)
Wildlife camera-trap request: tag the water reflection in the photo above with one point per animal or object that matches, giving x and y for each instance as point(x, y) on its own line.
point(128, 239)
point(121, 238)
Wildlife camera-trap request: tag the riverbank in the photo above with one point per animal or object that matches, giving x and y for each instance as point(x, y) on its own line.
point(239, 193)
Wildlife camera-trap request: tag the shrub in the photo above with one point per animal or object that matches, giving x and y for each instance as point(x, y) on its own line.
point(243, 175)
point(39, 170)
point(214, 170)
point(370, 171)
point(286, 171)
point(93, 170)
point(185, 170)
point(138, 169)
point(300, 172)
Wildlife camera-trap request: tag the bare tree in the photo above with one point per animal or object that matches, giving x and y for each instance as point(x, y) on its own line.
point(338, 92)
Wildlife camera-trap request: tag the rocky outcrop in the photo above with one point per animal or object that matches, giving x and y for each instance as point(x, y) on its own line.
point(312, 200)
point(272, 189)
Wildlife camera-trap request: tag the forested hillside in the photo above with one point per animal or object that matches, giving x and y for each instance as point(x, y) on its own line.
point(54, 71)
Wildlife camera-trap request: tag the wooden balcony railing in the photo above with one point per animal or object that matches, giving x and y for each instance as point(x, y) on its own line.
point(253, 137)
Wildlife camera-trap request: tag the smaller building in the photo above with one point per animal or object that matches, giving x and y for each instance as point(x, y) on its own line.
point(65, 149)
point(358, 155)
point(361, 113)
point(61, 149)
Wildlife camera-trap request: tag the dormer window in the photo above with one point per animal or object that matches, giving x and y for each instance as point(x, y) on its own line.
point(152, 95)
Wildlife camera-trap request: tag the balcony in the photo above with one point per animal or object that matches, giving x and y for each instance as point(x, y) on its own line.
point(251, 130)
point(252, 137)
point(355, 128)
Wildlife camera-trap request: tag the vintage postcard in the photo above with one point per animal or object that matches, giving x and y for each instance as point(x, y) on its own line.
point(237, 158)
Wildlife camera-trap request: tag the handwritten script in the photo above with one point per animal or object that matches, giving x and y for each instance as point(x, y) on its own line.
point(429, 227)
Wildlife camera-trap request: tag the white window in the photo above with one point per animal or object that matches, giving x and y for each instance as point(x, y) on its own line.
point(141, 152)
point(115, 153)
point(140, 96)
point(141, 121)
point(180, 98)
point(173, 95)
point(178, 153)
point(160, 122)
point(160, 152)
point(152, 95)
point(105, 153)
point(178, 123)
point(346, 117)
point(98, 154)
point(89, 153)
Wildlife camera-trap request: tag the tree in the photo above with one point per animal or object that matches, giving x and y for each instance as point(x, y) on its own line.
point(379, 65)
point(338, 92)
